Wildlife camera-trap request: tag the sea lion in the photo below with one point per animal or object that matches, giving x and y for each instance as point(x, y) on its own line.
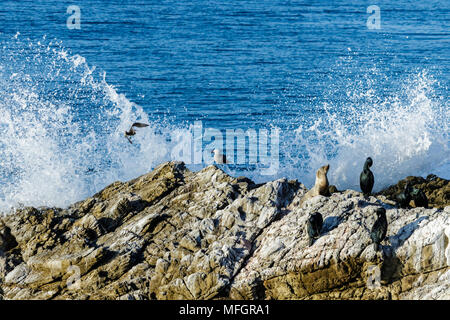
point(379, 228)
point(320, 186)
point(314, 226)
point(132, 132)
point(219, 158)
point(404, 197)
point(419, 197)
point(366, 179)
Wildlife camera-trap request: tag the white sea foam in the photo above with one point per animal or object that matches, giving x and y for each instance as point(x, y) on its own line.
point(405, 133)
point(54, 150)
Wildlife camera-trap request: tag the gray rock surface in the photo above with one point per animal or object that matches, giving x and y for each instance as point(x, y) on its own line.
point(176, 234)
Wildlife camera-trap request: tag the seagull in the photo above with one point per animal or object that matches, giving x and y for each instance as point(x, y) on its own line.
point(219, 158)
point(132, 132)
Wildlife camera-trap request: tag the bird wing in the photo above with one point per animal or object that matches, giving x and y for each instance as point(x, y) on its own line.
point(129, 140)
point(139, 125)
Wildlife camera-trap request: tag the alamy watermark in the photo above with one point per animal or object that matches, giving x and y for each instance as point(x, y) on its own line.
point(74, 20)
point(374, 20)
point(251, 147)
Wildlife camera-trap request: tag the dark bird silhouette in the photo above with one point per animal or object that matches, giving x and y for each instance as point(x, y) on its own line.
point(132, 132)
point(366, 179)
point(419, 197)
point(314, 226)
point(404, 197)
point(379, 228)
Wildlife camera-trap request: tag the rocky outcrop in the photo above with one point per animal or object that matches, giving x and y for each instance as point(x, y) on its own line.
point(413, 262)
point(176, 234)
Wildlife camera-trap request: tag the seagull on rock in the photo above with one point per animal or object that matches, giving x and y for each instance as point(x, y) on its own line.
point(219, 157)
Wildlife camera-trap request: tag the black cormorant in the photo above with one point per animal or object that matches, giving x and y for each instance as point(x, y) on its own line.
point(314, 226)
point(132, 132)
point(366, 179)
point(379, 229)
point(419, 197)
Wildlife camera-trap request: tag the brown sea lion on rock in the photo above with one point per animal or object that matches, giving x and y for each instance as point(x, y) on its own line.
point(321, 185)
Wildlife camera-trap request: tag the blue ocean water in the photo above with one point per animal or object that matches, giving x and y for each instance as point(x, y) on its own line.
point(336, 90)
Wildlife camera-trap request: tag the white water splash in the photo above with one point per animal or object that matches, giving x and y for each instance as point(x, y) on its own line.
point(61, 129)
point(62, 124)
point(405, 134)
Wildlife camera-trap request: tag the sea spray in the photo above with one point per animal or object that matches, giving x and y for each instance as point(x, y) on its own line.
point(62, 125)
point(405, 133)
point(61, 128)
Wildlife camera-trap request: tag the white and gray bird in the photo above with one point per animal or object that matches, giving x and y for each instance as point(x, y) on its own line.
point(219, 157)
point(132, 131)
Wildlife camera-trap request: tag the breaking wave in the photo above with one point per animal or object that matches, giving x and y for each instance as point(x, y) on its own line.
point(62, 124)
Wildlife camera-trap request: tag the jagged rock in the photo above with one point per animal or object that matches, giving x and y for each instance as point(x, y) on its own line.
point(177, 234)
point(341, 263)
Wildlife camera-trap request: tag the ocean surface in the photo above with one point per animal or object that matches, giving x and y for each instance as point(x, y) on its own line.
point(311, 72)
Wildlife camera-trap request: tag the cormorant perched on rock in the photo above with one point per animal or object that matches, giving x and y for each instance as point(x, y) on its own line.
point(219, 157)
point(132, 132)
point(314, 226)
point(366, 179)
point(379, 229)
point(419, 197)
point(404, 197)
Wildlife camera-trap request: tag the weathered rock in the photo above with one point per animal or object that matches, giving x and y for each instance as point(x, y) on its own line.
point(176, 234)
point(342, 263)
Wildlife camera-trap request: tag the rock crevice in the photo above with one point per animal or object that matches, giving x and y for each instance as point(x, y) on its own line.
point(177, 234)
